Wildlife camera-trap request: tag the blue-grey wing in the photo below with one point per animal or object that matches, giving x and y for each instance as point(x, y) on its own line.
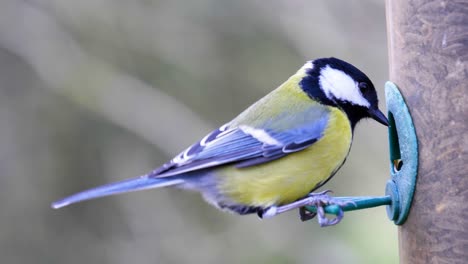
point(245, 146)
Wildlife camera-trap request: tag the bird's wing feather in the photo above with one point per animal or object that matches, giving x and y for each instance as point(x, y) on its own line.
point(244, 146)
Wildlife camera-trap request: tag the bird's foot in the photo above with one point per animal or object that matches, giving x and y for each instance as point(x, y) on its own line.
point(319, 200)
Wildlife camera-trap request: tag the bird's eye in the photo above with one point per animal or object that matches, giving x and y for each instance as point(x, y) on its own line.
point(363, 87)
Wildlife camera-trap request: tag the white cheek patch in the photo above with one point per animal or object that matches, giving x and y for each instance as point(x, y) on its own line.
point(339, 85)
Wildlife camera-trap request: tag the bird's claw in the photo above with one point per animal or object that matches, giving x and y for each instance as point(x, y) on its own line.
point(324, 221)
point(319, 200)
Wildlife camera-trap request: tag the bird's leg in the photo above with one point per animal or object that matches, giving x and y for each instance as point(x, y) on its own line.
point(319, 200)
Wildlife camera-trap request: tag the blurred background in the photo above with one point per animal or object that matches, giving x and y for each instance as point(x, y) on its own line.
point(95, 91)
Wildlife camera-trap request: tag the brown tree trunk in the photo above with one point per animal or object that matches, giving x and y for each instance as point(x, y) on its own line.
point(428, 51)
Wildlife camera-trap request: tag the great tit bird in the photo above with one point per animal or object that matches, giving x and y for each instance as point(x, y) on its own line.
point(272, 156)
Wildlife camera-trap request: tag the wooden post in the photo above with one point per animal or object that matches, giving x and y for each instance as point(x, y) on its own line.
point(428, 51)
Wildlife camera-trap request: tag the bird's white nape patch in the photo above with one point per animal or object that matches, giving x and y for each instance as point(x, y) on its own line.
point(260, 135)
point(338, 85)
point(307, 66)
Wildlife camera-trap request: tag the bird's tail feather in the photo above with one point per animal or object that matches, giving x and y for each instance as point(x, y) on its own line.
point(140, 183)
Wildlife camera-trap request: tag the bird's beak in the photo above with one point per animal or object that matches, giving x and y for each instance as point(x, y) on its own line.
point(378, 116)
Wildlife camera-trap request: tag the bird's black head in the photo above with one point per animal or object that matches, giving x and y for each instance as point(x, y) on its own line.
point(338, 83)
